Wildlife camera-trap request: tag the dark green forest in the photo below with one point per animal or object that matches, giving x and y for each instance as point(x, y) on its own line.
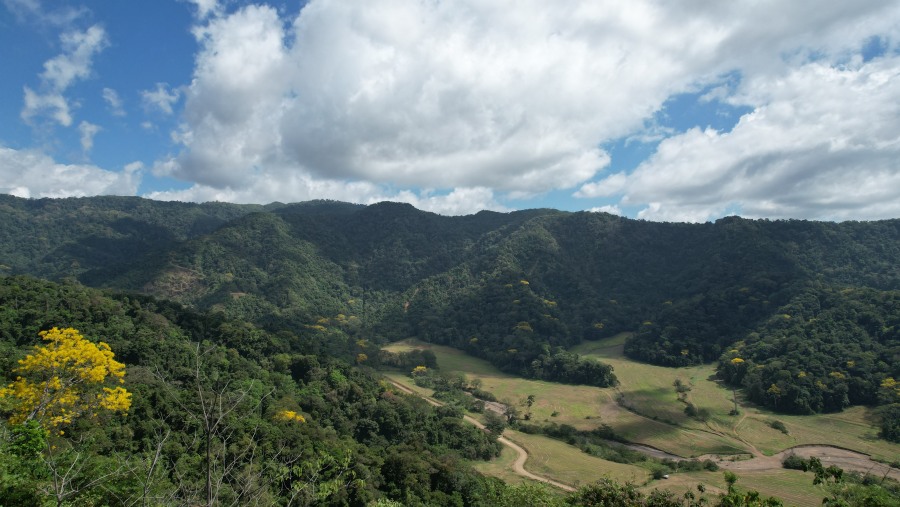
point(284, 307)
point(517, 289)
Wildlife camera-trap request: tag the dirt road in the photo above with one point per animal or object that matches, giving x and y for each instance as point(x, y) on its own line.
point(844, 458)
point(518, 465)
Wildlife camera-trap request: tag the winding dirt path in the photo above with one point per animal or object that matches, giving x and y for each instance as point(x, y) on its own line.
point(829, 455)
point(518, 465)
point(844, 458)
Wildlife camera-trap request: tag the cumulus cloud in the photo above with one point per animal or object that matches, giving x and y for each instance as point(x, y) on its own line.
point(295, 187)
point(423, 95)
point(60, 72)
point(112, 99)
point(355, 97)
point(612, 209)
point(88, 131)
point(34, 174)
point(161, 98)
point(608, 186)
point(822, 142)
point(51, 104)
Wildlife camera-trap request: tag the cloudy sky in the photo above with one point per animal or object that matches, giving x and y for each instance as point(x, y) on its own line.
point(662, 110)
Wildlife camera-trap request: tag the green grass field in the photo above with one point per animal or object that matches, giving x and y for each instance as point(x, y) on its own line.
point(567, 464)
point(586, 407)
point(793, 487)
point(501, 467)
point(649, 389)
point(657, 419)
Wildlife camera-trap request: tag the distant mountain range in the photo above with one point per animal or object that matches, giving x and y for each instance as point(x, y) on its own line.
point(510, 287)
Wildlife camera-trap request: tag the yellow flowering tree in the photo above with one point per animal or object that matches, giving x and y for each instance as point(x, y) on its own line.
point(65, 379)
point(290, 415)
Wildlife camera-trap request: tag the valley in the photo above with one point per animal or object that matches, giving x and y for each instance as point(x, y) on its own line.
point(645, 409)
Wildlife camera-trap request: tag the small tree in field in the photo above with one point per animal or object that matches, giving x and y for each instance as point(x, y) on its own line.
point(65, 379)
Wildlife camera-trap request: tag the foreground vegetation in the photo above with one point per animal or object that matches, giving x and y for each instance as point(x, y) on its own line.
point(237, 416)
point(220, 412)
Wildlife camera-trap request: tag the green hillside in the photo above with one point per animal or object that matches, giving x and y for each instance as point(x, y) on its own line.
point(281, 309)
point(517, 289)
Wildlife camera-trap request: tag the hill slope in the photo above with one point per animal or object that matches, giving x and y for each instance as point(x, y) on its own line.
point(514, 288)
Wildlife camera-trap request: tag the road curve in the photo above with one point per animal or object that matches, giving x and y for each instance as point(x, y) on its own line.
point(518, 465)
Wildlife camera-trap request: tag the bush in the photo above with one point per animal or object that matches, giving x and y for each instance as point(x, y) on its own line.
point(890, 422)
point(483, 395)
point(794, 462)
point(778, 425)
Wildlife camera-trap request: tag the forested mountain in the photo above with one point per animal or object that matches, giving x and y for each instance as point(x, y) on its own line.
point(515, 288)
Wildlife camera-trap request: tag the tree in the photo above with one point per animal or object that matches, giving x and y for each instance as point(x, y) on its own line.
point(225, 411)
point(58, 383)
point(529, 402)
point(66, 379)
point(494, 422)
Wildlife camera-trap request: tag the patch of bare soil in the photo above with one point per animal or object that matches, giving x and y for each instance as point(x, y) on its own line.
point(843, 458)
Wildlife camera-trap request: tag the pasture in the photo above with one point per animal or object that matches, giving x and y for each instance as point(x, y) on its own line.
point(649, 390)
point(649, 411)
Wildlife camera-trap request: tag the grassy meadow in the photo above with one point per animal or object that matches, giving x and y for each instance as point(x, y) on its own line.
point(795, 488)
point(653, 415)
point(649, 390)
point(567, 464)
point(501, 467)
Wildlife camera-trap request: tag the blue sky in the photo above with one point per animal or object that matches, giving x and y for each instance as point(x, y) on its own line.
point(685, 112)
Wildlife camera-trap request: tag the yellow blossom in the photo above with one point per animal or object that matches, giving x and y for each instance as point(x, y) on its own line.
point(64, 379)
point(290, 415)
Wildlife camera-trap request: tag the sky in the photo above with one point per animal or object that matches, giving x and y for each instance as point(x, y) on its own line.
point(658, 110)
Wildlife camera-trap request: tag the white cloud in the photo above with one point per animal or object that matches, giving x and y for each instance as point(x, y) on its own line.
point(88, 131)
point(424, 95)
point(23, 8)
point(822, 142)
point(52, 104)
point(61, 71)
point(608, 186)
point(34, 174)
point(28, 10)
point(113, 101)
point(461, 201)
point(510, 98)
point(161, 98)
point(296, 187)
point(205, 8)
point(79, 49)
point(612, 209)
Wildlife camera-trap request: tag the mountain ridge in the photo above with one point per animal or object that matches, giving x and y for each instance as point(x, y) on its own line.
point(515, 288)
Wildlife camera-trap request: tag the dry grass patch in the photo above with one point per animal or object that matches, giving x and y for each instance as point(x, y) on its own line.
point(793, 487)
point(567, 464)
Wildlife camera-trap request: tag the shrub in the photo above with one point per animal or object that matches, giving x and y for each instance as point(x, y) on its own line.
point(794, 462)
point(778, 425)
